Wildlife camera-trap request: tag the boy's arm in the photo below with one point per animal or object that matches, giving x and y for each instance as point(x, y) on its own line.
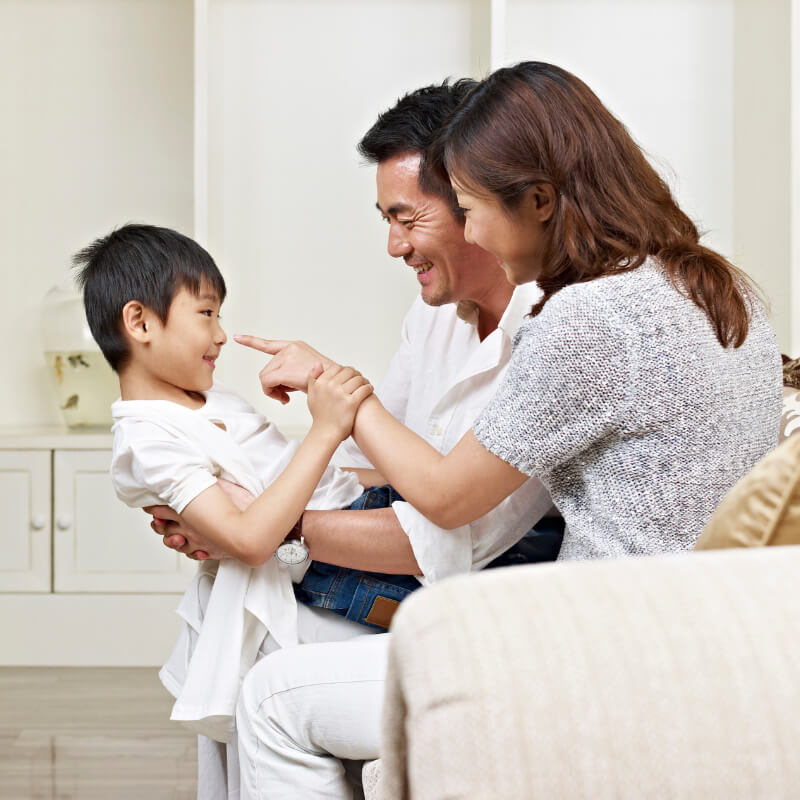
point(178, 536)
point(253, 534)
point(370, 540)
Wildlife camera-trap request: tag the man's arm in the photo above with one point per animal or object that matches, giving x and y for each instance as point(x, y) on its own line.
point(370, 540)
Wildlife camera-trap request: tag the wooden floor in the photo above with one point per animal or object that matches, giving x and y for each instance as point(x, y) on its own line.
point(91, 734)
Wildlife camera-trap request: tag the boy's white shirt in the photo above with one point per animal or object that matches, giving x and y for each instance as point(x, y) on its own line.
point(167, 454)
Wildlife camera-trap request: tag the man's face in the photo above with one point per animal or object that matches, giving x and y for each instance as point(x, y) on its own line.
point(424, 233)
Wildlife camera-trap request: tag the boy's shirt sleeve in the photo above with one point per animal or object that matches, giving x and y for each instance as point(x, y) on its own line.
point(151, 466)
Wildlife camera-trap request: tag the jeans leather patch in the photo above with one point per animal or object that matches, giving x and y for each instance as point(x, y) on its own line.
point(382, 611)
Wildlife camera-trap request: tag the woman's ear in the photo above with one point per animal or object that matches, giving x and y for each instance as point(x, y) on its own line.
point(136, 321)
point(541, 201)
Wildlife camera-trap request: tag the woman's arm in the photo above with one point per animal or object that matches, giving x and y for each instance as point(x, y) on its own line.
point(450, 490)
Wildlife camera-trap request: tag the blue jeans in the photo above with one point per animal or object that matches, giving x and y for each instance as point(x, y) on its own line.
point(371, 598)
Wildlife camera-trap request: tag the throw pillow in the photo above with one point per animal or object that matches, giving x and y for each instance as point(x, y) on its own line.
point(763, 508)
point(790, 413)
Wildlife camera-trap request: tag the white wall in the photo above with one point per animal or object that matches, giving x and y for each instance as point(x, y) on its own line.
point(762, 155)
point(665, 68)
point(96, 98)
point(704, 87)
point(96, 105)
point(292, 215)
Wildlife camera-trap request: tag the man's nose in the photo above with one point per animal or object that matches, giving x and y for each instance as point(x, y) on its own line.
point(398, 245)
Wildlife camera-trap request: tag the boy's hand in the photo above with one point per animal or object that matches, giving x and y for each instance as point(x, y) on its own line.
point(288, 369)
point(334, 397)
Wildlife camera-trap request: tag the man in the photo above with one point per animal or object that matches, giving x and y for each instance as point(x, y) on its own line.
point(303, 705)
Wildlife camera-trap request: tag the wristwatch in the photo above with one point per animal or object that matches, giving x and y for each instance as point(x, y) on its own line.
point(293, 551)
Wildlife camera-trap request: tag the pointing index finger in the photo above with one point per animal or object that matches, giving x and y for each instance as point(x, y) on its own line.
point(269, 346)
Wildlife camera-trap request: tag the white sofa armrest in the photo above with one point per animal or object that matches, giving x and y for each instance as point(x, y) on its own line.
point(669, 677)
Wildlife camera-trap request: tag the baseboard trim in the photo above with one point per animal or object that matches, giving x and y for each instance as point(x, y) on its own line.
point(87, 630)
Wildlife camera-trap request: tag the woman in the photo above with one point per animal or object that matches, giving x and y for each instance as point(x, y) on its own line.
point(646, 381)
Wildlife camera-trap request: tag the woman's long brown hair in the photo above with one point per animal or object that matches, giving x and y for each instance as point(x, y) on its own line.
point(536, 123)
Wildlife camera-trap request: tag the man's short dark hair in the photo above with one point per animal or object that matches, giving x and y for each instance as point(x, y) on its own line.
point(143, 263)
point(411, 126)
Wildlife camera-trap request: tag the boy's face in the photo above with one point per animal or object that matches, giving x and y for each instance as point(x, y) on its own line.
point(185, 348)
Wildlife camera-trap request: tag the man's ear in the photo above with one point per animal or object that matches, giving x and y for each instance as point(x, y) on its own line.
point(542, 201)
point(137, 322)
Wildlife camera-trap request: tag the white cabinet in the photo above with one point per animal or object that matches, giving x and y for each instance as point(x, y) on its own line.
point(83, 579)
point(25, 530)
point(99, 544)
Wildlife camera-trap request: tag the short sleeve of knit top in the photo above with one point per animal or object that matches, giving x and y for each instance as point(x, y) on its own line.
point(566, 386)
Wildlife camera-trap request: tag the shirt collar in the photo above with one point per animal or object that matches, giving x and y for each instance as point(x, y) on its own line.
point(523, 298)
point(519, 306)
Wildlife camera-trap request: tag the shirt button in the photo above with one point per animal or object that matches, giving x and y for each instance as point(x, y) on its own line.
point(437, 429)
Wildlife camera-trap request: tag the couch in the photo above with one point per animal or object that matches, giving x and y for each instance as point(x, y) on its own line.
point(666, 677)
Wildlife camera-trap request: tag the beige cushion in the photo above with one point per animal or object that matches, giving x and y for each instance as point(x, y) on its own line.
point(671, 677)
point(763, 508)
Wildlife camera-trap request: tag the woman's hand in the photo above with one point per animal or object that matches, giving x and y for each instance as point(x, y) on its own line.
point(334, 397)
point(289, 367)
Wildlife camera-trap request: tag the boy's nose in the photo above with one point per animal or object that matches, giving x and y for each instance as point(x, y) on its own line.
point(221, 336)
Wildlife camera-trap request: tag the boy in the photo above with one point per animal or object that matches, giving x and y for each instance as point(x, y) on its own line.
point(152, 299)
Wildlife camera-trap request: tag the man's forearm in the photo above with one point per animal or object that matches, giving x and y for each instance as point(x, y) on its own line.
point(367, 540)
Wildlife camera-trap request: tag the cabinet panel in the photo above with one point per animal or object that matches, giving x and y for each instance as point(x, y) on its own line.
point(101, 545)
point(25, 530)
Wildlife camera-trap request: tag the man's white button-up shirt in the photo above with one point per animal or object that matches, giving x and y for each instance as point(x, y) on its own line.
point(437, 383)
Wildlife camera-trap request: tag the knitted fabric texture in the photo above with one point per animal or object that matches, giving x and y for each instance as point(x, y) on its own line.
point(622, 401)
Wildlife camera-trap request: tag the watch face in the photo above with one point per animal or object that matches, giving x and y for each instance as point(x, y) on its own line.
point(291, 553)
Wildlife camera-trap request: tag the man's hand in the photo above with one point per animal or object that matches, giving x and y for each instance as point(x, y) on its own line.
point(289, 367)
point(179, 536)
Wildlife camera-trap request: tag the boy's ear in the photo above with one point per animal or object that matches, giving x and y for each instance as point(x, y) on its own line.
point(137, 321)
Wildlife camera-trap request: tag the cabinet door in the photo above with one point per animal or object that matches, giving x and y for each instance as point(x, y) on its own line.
point(25, 528)
point(101, 545)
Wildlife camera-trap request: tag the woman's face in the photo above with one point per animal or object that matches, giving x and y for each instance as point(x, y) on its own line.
point(516, 237)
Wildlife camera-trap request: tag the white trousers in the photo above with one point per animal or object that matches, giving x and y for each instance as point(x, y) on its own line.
point(217, 763)
point(303, 709)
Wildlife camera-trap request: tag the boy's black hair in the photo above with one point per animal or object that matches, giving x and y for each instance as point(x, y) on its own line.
point(412, 126)
point(138, 262)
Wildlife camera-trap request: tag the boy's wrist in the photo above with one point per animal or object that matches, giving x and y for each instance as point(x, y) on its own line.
point(326, 433)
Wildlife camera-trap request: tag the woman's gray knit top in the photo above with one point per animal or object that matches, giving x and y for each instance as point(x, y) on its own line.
point(620, 398)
